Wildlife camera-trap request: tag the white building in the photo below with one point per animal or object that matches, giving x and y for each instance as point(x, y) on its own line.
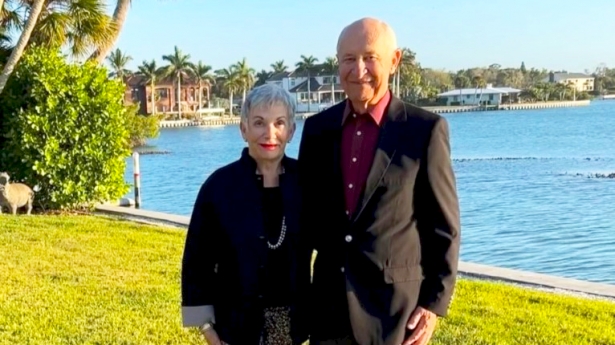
point(322, 87)
point(487, 96)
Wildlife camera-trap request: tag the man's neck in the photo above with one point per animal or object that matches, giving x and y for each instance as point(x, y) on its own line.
point(363, 107)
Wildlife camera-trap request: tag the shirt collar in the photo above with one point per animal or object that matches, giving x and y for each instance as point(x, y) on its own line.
point(376, 112)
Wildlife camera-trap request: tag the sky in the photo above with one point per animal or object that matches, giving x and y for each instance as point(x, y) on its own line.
point(445, 34)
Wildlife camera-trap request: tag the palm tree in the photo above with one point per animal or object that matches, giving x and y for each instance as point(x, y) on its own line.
point(246, 75)
point(179, 66)
point(571, 85)
point(119, 16)
point(24, 38)
point(118, 61)
point(479, 83)
point(407, 62)
point(307, 65)
point(262, 77)
point(331, 67)
point(461, 81)
point(78, 24)
point(151, 73)
point(279, 67)
point(203, 77)
point(231, 82)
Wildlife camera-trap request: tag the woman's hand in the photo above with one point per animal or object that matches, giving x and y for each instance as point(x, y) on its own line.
point(211, 336)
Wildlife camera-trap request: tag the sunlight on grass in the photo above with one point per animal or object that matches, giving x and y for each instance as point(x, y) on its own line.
point(95, 280)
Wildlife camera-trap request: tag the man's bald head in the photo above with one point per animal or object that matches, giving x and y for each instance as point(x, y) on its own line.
point(368, 55)
point(370, 29)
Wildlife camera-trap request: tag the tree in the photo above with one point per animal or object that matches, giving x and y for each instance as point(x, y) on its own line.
point(151, 73)
point(203, 78)
point(63, 127)
point(479, 83)
point(79, 25)
point(331, 67)
point(461, 82)
point(231, 82)
point(246, 76)
point(118, 62)
point(307, 65)
point(262, 77)
point(179, 66)
point(24, 38)
point(279, 67)
point(523, 70)
point(119, 16)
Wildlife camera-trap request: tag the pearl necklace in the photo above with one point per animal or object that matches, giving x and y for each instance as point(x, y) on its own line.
point(282, 235)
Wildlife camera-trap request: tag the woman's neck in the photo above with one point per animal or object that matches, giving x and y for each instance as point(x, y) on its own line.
point(271, 172)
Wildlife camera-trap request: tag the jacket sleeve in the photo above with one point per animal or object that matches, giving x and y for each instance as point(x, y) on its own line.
point(198, 276)
point(439, 224)
point(306, 162)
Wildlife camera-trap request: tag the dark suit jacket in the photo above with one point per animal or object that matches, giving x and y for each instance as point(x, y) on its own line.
point(226, 251)
point(400, 249)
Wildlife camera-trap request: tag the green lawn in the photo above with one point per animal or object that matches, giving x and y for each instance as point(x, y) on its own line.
point(93, 280)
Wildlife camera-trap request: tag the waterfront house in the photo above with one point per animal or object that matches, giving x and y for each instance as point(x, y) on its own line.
point(580, 81)
point(138, 90)
point(472, 96)
point(325, 89)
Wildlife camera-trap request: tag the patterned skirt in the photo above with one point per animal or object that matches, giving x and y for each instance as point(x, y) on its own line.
point(276, 329)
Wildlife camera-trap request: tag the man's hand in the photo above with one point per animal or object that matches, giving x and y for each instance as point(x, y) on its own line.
point(423, 323)
point(211, 336)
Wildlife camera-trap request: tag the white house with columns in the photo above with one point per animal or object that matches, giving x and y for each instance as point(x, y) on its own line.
point(325, 89)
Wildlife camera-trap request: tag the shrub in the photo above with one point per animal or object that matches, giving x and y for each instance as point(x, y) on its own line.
point(63, 128)
point(141, 127)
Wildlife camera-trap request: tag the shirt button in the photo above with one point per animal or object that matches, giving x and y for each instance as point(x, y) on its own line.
point(350, 186)
point(354, 159)
point(342, 269)
point(359, 133)
point(347, 212)
point(354, 115)
point(348, 238)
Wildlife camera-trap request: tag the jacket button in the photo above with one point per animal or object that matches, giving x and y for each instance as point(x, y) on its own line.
point(348, 238)
point(261, 237)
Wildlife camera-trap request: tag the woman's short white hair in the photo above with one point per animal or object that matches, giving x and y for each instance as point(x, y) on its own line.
point(268, 95)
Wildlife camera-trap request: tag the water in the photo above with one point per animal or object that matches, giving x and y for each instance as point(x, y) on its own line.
point(522, 176)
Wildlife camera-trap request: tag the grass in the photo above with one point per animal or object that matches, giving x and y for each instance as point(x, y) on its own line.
point(91, 280)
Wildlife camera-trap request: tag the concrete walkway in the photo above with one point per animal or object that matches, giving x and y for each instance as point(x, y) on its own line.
point(466, 269)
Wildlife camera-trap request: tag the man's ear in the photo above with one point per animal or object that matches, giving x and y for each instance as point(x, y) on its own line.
point(396, 60)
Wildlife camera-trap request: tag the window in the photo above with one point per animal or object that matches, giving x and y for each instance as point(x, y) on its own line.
point(292, 82)
point(468, 96)
point(327, 80)
point(162, 93)
point(134, 94)
point(491, 97)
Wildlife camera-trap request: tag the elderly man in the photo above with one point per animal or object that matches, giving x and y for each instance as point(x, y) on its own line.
point(380, 204)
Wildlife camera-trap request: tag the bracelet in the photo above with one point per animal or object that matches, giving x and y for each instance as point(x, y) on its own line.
point(206, 326)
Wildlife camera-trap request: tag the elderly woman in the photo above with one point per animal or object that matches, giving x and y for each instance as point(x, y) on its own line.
point(245, 271)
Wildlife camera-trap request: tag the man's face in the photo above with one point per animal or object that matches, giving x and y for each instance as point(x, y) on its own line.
point(366, 62)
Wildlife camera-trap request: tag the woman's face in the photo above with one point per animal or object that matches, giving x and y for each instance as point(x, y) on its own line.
point(267, 130)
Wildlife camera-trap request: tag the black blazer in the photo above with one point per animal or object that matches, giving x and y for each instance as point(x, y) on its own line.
point(226, 250)
point(400, 249)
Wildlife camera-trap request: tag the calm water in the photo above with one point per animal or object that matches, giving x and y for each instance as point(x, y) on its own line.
point(527, 200)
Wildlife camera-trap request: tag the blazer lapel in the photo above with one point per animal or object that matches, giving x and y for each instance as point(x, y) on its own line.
point(385, 151)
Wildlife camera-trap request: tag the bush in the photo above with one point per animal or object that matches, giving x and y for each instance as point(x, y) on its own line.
point(63, 128)
point(141, 127)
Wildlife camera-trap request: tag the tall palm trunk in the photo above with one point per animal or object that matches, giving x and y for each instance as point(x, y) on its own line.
point(309, 94)
point(153, 97)
point(244, 95)
point(200, 97)
point(230, 102)
point(333, 91)
point(35, 11)
point(179, 95)
point(208, 102)
point(119, 17)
